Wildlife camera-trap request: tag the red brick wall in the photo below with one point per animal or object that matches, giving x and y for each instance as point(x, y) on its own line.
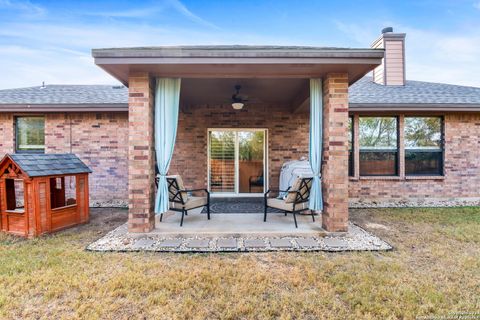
point(141, 158)
point(7, 133)
point(460, 186)
point(287, 137)
point(99, 139)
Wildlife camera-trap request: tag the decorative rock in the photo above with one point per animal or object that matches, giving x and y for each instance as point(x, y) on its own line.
point(356, 239)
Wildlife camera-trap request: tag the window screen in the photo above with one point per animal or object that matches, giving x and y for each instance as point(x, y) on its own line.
point(30, 134)
point(378, 142)
point(423, 146)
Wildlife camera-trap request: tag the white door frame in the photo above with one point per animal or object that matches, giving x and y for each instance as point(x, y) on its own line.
point(265, 163)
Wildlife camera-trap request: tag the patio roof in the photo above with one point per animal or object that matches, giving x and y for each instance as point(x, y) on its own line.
point(237, 61)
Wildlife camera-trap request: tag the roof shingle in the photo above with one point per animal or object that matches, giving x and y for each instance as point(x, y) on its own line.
point(365, 91)
point(66, 94)
point(40, 165)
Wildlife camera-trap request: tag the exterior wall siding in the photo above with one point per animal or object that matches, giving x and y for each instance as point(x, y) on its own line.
point(394, 62)
point(459, 186)
point(99, 139)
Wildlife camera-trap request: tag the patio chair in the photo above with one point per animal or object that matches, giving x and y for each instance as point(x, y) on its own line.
point(295, 201)
point(181, 201)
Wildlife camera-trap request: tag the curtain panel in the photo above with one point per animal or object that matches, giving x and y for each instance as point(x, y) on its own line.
point(316, 136)
point(167, 99)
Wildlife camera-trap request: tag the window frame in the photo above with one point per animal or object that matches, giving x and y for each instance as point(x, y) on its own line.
point(397, 150)
point(351, 151)
point(440, 150)
point(17, 150)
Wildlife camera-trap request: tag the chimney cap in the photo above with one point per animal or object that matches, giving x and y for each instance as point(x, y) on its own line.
point(387, 29)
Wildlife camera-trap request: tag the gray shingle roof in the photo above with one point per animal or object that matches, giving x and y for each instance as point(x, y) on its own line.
point(66, 94)
point(40, 165)
point(365, 91)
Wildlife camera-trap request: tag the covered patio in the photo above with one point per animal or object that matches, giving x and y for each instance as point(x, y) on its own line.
point(276, 80)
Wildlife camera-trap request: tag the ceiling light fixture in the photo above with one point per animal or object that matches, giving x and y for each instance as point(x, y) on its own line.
point(237, 105)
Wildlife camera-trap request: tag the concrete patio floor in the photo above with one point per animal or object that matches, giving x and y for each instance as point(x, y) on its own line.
point(196, 224)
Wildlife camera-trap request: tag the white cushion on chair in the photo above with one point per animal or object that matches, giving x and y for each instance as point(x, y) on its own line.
point(193, 202)
point(287, 206)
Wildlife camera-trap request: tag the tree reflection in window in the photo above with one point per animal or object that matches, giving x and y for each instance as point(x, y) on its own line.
point(378, 142)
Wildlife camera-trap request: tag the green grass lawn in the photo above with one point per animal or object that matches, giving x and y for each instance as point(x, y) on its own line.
point(433, 270)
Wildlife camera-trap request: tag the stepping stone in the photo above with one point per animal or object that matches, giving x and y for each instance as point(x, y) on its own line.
point(307, 242)
point(281, 243)
point(335, 242)
point(171, 243)
point(199, 243)
point(143, 243)
point(230, 243)
point(255, 243)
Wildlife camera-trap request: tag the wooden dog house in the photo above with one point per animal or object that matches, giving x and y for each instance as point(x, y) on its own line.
point(42, 193)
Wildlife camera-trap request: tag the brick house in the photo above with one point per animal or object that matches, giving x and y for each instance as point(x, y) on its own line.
point(387, 141)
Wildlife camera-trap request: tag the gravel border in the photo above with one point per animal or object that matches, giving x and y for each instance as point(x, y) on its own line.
point(356, 239)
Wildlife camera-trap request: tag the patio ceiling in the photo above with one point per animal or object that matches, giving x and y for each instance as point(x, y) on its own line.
point(272, 92)
point(237, 61)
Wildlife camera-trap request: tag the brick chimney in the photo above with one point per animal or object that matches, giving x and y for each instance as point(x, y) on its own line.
point(392, 70)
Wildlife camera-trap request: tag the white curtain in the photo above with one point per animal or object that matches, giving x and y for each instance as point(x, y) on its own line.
point(315, 150)
point(167, 99)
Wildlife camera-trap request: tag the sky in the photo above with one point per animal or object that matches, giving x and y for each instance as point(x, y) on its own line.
point(51, 41)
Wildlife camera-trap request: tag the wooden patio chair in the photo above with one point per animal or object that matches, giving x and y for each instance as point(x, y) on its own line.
point(181, 201)
point(295, 201)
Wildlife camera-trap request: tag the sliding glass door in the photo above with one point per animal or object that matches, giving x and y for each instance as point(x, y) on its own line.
point(236, 161)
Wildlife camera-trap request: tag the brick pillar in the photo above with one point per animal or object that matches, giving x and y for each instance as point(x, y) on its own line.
point(335, 148)
point(141, 159)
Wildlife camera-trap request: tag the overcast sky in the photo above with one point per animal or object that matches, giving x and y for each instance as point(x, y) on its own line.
point(51, 40)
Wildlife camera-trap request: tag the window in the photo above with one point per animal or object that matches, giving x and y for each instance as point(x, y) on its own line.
point(15, 195)
point(351, 163)
point(63, 192)
point(423, 146)
point(378, 142)
point(30, 134)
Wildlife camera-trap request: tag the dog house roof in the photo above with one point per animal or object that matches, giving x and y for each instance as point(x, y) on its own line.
point(40, 165)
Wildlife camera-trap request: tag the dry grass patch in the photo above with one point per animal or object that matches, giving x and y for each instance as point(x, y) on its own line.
point(433, 270)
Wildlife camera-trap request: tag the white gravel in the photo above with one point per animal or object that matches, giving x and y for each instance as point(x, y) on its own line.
point(356, 239)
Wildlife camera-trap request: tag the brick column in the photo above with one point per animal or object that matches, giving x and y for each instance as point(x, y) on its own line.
point(141, 158)
point(335, 149)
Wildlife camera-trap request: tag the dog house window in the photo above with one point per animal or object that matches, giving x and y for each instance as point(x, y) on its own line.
point(63, 191)
point(30, 134)
point(378, 142)
point(15, 195)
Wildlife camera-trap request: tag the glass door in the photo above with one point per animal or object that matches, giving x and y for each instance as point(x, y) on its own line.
point(222, 161)
point(236, 162)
